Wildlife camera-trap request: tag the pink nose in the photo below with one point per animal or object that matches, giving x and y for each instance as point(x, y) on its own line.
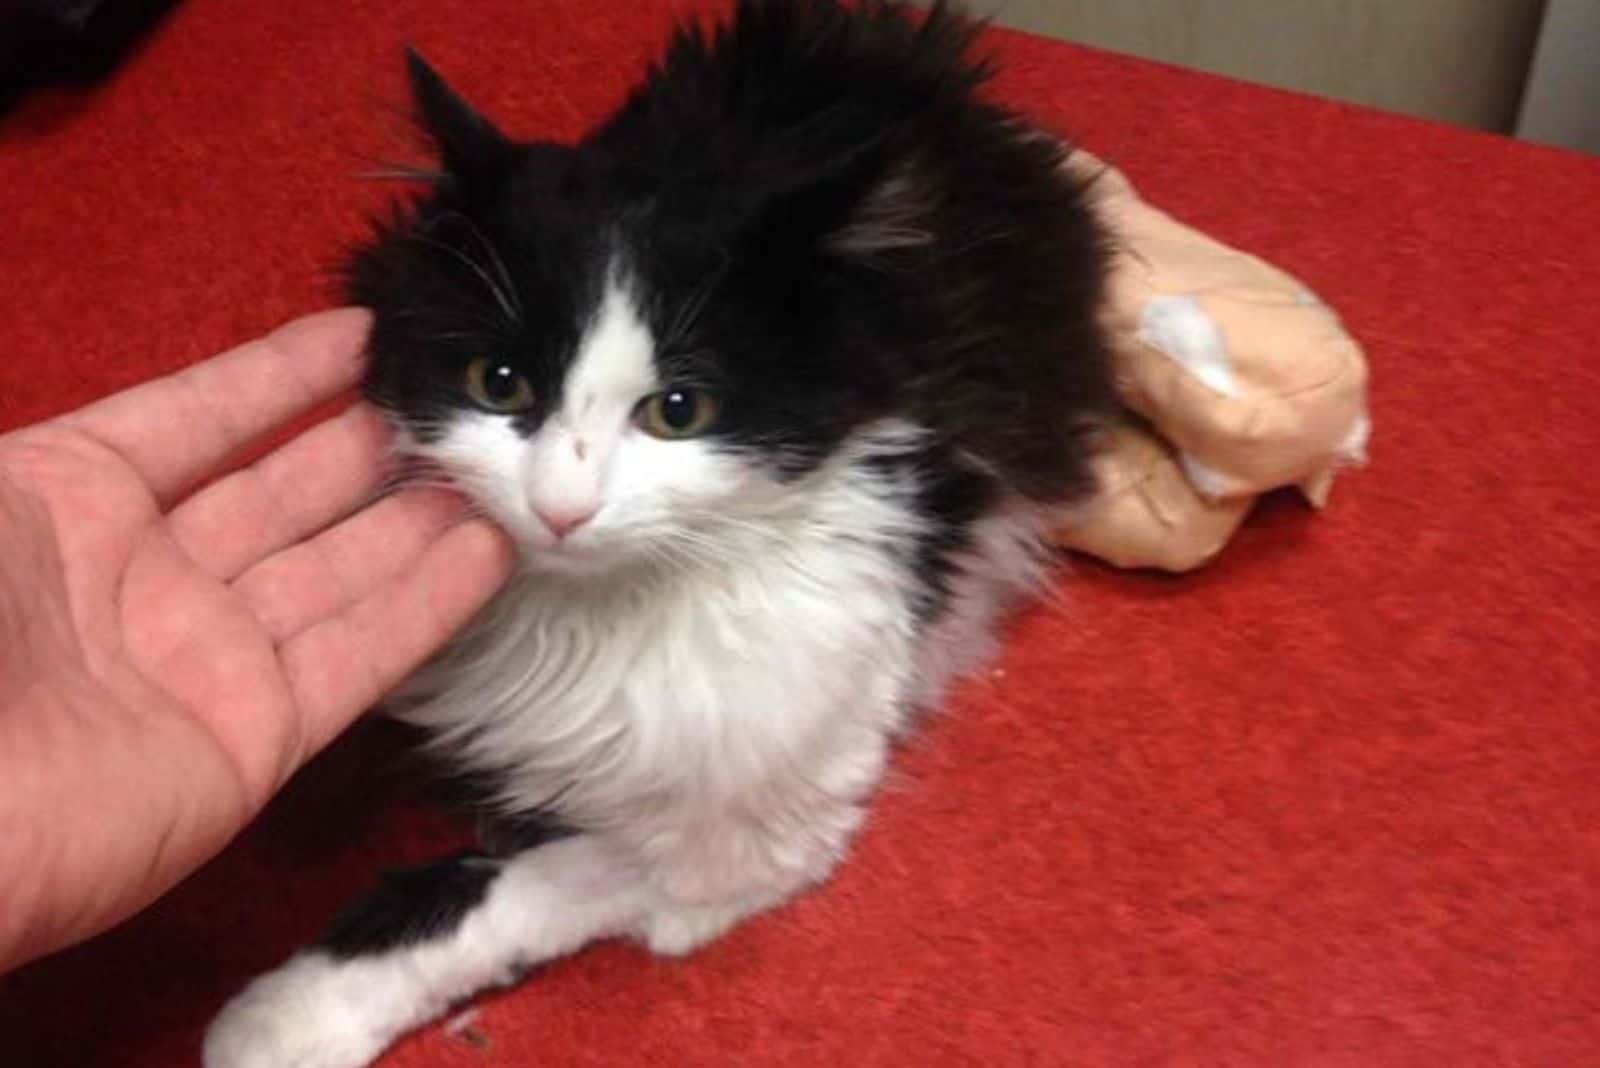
point(564, 522)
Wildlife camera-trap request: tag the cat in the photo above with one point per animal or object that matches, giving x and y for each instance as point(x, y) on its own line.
point(777, 378)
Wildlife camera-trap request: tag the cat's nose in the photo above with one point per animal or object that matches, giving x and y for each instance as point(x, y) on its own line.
point(565, 521)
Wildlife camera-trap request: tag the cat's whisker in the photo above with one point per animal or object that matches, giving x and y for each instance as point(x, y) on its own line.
point(698, 548)
point(689, 314)
point(494, 257)
point(448, 335)
point(387, 168)
point(403, 174)
point(668, 558)
point(500, 296)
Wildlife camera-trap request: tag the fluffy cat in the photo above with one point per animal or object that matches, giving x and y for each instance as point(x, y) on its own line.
point(776, 379)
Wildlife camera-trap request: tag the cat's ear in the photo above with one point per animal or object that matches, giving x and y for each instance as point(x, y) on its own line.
point(469, 145)
point(849, 205)
point(890, 215)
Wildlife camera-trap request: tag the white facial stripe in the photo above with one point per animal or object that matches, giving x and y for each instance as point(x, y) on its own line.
point(615, 365)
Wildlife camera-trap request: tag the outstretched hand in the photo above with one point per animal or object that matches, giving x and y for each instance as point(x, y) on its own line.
point(170, 655)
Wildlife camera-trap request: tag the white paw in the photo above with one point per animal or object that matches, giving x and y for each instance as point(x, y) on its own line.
point(314, 1012)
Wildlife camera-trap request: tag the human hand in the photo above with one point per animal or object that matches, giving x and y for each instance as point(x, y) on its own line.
point(169, 656)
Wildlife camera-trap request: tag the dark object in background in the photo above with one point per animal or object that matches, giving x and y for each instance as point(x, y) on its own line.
point(54, 42)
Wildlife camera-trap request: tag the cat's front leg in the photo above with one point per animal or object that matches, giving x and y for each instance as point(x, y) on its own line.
point(437, 935)
point(428, 939)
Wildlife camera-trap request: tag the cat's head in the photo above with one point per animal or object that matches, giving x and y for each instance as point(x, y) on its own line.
point(608, 359)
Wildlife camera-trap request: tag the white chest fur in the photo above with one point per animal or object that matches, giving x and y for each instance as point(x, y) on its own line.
point(698, 684)
point(756, 688)
point(727, 715)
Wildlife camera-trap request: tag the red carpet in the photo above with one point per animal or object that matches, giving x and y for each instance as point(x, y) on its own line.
point(1335, 801)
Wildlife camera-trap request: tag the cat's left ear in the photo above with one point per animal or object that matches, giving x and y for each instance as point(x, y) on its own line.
point(469, 145)
point(848, 204)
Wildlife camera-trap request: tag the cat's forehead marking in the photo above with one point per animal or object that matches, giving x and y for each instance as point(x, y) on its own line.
point(616, 357)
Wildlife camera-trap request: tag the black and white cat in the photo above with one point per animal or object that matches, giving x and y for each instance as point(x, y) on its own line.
point(776, 379)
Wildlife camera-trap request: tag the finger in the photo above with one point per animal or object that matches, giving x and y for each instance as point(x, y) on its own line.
point(291, 493)
point(344, 665)
point(176, 430)
point(317, 579)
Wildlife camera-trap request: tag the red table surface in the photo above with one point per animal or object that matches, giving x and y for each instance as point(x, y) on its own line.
point(1332, 801)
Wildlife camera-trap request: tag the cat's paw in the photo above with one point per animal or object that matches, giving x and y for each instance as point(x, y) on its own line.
point(310, 1013)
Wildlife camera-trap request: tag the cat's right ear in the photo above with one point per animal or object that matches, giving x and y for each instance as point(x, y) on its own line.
point(469, 145)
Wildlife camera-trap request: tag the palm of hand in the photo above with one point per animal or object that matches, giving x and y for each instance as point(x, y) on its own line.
point(167, 657)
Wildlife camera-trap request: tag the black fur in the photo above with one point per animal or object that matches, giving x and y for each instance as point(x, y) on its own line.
point(411, 905)
point(828, 226)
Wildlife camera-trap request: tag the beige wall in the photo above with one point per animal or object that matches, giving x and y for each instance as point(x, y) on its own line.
point(1462, 61)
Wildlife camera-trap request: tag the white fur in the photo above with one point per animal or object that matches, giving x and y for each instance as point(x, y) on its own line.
point(705, 677)
point(761, 679)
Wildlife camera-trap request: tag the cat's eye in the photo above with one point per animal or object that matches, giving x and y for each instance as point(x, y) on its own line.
point(497, 386)
point(677, 413)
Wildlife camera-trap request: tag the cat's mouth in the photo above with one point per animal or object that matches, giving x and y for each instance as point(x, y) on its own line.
point(582, 558)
